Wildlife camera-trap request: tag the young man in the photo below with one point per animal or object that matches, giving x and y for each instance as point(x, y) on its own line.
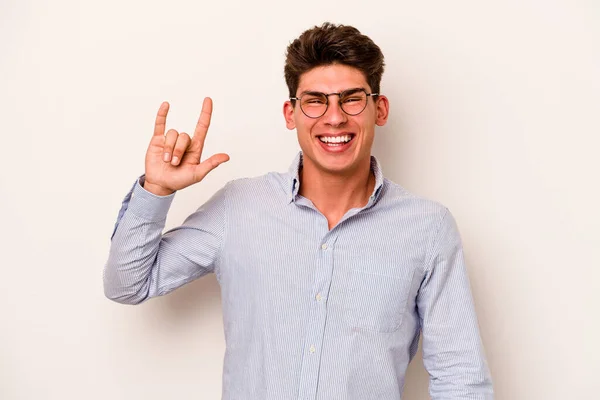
point(328, 272)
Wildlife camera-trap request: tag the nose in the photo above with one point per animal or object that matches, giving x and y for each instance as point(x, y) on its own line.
point(334, 115)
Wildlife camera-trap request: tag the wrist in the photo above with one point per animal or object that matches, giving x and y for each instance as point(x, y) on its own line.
point(157, 190)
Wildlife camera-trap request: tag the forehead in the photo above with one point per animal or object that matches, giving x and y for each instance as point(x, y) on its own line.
point(332, 79)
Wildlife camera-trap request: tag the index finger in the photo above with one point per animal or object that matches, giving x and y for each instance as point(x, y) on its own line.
point(161, 119)
point(204, 120)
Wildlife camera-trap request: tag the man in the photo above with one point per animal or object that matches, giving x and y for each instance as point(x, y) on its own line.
point(328, 272)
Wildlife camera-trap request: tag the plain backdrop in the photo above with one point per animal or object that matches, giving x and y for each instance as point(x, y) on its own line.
point(494, 112)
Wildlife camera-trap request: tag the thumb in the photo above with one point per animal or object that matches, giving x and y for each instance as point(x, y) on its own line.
point(202, 169)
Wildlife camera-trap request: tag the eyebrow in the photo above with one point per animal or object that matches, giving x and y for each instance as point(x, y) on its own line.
point(315, 93)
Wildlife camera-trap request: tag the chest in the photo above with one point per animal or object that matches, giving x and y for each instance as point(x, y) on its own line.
point(299, 254)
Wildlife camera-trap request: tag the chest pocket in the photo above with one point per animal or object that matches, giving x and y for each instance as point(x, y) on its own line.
point(376, 302)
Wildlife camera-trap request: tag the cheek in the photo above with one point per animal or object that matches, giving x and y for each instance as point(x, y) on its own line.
point(367, 124)
point(304, 127)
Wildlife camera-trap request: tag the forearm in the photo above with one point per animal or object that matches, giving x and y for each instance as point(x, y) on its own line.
point(455, 360)
point(453, 353)
point(133, 258)
point(143, 262)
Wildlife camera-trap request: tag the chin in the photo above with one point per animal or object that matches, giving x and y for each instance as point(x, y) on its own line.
point(337, 165)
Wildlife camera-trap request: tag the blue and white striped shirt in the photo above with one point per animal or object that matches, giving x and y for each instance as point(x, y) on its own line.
point(313, 313)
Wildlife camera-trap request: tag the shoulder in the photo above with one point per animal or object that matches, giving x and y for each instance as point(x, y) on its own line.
point(395, 195)
point(416, 213)
point(262, 186)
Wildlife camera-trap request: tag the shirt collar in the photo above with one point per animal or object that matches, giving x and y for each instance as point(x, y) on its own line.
point(294, 178)
point(294, 174)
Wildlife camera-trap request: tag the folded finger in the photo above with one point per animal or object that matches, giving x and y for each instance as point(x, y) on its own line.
point(170, 140)
point(182, 144)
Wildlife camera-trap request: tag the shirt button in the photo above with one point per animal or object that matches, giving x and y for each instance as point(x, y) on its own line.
point(324, 246)
point(312, 349)
point(319, 297)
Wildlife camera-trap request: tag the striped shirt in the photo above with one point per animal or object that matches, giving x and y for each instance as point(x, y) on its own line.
point(311, 313)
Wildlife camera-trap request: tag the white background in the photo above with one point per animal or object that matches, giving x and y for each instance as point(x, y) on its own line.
point(494, 113)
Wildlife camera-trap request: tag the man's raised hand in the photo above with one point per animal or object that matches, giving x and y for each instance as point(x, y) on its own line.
point(173, 160)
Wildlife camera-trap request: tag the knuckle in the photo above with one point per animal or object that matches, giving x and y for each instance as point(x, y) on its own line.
point(171, 138)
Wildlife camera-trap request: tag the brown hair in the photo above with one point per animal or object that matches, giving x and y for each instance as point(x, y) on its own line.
point(333, 44)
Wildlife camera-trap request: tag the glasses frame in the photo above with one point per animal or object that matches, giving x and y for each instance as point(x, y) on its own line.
point(339, 94)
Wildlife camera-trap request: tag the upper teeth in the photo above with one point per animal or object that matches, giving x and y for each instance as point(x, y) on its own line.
point(335, 139)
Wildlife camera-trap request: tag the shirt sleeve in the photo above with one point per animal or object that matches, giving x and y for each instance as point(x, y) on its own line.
point(144, 263)
point(452, 350)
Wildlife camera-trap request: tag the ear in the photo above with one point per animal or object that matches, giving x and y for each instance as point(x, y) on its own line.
point(383, 110)
point(288, 114)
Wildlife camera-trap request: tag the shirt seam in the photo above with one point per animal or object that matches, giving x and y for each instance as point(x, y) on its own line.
point(225, 224)
point(429, 253)
point(145, 218)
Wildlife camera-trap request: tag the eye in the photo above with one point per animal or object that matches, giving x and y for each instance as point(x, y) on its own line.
point(314, 100)
point(352, 99)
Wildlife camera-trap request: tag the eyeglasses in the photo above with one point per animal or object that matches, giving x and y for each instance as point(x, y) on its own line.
point(351, 101)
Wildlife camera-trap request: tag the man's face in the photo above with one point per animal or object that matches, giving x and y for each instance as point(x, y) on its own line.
point(316, 134)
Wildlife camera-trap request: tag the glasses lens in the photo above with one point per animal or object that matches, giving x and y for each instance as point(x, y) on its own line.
point(313, 105)
point(353, 102)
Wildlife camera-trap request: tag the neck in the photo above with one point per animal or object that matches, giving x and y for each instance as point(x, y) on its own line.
point(334, 194)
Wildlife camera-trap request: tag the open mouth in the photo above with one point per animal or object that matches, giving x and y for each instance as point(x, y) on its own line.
point(336, 141)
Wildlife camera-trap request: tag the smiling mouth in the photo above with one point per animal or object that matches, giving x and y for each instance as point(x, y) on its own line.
point(335, 141)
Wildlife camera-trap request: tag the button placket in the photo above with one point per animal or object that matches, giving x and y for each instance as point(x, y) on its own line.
point(317, 317)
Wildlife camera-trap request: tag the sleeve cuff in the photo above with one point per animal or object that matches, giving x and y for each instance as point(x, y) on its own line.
point(147, 205)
